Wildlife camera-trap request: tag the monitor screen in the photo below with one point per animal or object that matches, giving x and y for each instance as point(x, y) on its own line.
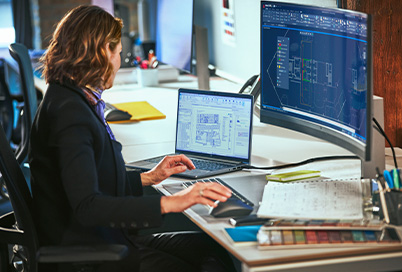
point(316, 73)
point(174, 33)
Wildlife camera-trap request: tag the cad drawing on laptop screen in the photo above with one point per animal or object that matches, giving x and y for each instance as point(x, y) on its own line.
point(214, 124)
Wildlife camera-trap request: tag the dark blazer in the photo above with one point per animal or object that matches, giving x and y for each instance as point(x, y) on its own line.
point(81, 190)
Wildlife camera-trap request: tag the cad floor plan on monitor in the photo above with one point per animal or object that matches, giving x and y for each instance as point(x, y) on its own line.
point(315, 62)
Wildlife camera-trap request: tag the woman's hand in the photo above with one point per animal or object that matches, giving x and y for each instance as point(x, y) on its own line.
point(199, 193)
point(168, 166)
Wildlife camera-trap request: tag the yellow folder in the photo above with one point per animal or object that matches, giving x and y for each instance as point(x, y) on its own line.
point(140, 110)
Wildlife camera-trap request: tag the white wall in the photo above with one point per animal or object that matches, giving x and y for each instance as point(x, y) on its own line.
point(7, 33)
point(105, 4)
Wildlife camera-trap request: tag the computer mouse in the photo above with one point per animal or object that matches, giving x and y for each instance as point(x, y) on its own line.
point(117, 115)
point(231, 207)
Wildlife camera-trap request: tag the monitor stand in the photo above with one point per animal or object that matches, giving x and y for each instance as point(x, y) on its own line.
point(368, 169)
point(202, 57)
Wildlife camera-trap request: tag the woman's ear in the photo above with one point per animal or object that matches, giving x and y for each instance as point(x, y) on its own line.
point(108, 50)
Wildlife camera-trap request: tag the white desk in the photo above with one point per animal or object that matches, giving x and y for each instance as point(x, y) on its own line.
point(270, 145)
point(387, 258)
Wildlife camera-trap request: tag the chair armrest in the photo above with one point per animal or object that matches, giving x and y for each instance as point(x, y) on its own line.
point(7, 220)
point(79, 253)
point(8, 233)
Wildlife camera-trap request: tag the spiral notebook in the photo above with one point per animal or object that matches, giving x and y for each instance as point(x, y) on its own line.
point(313, 199)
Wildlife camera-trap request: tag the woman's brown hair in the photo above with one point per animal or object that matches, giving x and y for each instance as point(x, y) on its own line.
point(77, 50)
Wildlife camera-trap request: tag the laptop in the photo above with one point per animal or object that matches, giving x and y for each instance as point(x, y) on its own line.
point(212, 128)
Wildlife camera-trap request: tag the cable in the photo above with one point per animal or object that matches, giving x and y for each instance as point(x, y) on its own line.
point(248, 83)
point(303, 162)
point(386, 138)
point(325, 158)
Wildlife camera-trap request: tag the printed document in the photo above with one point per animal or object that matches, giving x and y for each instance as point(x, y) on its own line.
point(313, 199)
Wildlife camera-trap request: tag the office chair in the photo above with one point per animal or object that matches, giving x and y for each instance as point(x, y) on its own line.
point(17, 228)
point(20, 53)
point(7, 121)
point(6, 103)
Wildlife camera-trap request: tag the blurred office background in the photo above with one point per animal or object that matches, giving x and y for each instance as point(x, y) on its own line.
point(234, 57)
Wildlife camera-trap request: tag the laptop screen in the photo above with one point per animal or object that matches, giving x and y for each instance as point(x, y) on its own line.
point(215, 124)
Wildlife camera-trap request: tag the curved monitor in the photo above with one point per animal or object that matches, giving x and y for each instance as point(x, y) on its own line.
point(316, 73)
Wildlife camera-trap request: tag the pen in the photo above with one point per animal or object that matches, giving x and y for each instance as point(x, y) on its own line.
point(381, 185)
point(383, 204)
point(397, 182)
point(152, 62)
point(389, 179)
point(383, 181)
point(151, 55)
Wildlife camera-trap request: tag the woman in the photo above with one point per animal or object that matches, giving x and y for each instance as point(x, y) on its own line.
point(82, 192)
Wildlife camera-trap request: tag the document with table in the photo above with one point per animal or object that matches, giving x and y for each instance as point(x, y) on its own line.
point(318, 199)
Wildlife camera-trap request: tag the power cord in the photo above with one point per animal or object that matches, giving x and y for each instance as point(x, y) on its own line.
point(248, 83)
point(382, 132)
point(303, 162)
point(327, 158)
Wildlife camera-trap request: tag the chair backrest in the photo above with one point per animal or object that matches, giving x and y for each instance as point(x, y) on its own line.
point(19, 194)
point(6, 104)
point(20, 53)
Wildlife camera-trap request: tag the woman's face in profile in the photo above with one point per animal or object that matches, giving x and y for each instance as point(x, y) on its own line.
point(114, 58)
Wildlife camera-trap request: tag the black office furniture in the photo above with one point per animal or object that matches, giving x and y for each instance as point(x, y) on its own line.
point(20, 53)
point(17, 228)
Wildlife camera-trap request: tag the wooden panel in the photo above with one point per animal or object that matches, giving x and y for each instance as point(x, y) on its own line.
point(51, 12)
point(387, 61)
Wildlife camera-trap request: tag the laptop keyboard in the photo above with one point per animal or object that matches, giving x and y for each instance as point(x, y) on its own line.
point(209, 165)
point(154, 160)
point(235, 194)
point(200, 164)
